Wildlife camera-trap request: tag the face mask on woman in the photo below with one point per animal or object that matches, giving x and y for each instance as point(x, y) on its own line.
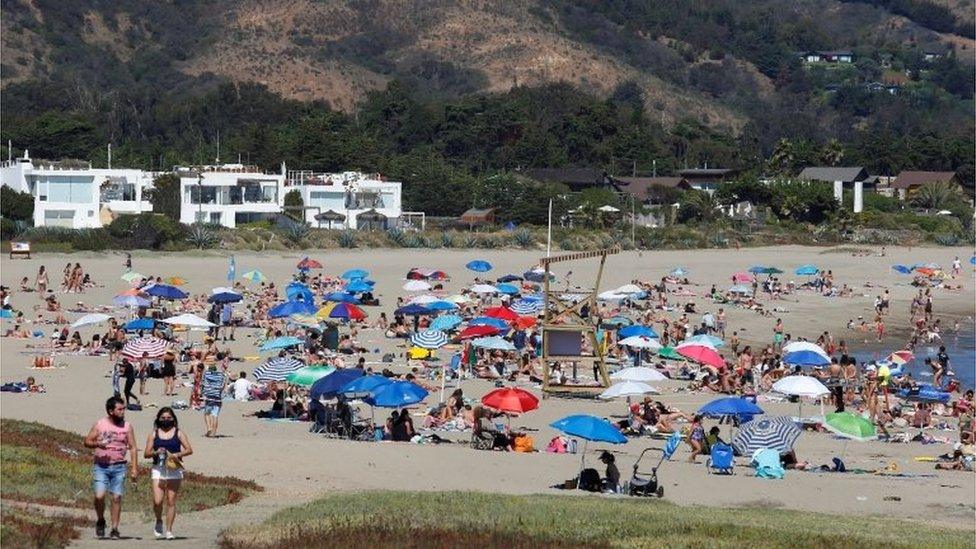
point(166, 424)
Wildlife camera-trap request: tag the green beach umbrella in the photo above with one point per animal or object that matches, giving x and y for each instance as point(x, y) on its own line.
point(852, 426)
point(132, 275)
point(308, 375)
point(255, 276)
point(669, 352)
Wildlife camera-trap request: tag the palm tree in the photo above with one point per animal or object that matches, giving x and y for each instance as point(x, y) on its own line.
point(832, 153)
point(936, 195)
point(706, 206)
point(783, 157)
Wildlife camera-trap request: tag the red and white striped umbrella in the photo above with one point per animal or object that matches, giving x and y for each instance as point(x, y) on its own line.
point(152, 346)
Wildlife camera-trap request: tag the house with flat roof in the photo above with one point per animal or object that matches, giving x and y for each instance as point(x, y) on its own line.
point(229, 194)
point(348, 200)
point(908, 181)
point(647, 190)
point(708, 179)
point(827, 56)
point(72, 194)
point(851, 177)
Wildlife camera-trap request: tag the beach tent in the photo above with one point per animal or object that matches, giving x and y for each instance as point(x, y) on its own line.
point(341, 297)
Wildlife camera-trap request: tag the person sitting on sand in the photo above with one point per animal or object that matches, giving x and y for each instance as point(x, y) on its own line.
point(485, 435)
point(43, 361)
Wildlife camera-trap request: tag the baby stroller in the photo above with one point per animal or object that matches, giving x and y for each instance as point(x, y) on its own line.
point(721, 460)
point(645, 484)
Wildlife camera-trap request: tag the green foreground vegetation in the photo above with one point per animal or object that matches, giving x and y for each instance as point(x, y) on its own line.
point(51, 467)
point(454, 519)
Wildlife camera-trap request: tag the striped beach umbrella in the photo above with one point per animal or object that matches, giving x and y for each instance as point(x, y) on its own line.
point(776, 433)
point(526, 307)
point(277, 369)
point(153, 347)
point(429, 339)
point(255, 276)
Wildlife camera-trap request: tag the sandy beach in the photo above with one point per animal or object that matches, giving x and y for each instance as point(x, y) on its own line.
point(295, 466)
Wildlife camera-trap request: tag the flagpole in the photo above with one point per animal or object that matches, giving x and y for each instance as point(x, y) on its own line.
point(549, 231)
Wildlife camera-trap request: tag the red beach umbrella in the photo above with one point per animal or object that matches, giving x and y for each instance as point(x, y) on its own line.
point(472, 332)
point(503, 313)
point(704, 354)
point(307, 264)
point(511, 400)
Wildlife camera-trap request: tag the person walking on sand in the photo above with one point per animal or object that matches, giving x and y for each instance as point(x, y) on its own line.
point(41, 281)
point(166, 446)
point(111, 437)
point(214, 382)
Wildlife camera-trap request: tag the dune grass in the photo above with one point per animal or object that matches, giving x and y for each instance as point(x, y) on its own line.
point(30, 528)
point(52, 467)
point(456, 519)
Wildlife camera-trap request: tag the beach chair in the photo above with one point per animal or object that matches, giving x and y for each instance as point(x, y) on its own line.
point(721, 461)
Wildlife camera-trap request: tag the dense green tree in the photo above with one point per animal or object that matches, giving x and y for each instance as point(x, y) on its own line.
point(165, 196)
point(16, 205)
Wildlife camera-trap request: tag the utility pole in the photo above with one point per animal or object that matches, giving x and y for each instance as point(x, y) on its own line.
point(110, 156)
point(654, 167)
point(633, 171)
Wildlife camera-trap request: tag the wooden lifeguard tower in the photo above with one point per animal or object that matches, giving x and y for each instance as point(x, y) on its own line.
point(565, 326)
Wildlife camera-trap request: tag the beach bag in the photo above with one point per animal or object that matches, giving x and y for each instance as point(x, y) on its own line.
point(133, 407)
point(589, 480)
point(524, 443)
point(556, 446)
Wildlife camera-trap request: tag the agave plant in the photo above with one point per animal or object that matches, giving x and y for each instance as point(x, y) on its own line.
point(347, 239)
point(296, 233)
point(202, 237)
point(488, 243)
point(470, 241)
point(947, 239)
point(447, 240)
point(567, 244)
point(523, 238)
point(396, 237)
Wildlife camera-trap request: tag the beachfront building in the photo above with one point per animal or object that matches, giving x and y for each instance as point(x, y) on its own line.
point(909, 181)
point(708, 179)
point(840, 177)
point(348, 200)
point(229, 194)
point(72, 194)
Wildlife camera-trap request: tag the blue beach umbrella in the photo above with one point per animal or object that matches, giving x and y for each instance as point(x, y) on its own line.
point(679, 271)
point(441, 306)
point(282, 342)
point(589, 428)
point(757, 269)
point(139, 324)
point(413, 309)
point(397, 394)
point(806, 358)
point(972, 260)
point(494, 343)
point(6, 313)
point(637, 330)
point(330, 385)
point(807, 270)
point(478, 266)
point(225, 297)
point(507, 289)
point(166, 291)
point(730, 406)
point(509, 278)
point(903, 269)
point(353, 274)
point(446, 322)
point(618, 321)
point(289, 308)
point(429, 339)
point(341, 297)
point(364, 386)
point(297, 291)
point(359, 285)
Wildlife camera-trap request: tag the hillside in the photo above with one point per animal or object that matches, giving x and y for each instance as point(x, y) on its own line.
point(704, 61)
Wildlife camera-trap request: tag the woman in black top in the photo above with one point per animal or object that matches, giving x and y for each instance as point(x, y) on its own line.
point(402, 428)
point(169, 373)
point(129, 374)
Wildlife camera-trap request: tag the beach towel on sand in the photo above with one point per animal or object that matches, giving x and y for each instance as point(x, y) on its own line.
point(767, 465)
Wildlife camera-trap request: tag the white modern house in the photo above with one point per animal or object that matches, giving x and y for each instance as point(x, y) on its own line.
point(73, 194)
point(348, 200)
point(229, 194)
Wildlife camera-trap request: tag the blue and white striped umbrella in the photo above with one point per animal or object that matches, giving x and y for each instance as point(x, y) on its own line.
point(277, 369)
point(429, 339)
point(525, 308)
point(775, 433)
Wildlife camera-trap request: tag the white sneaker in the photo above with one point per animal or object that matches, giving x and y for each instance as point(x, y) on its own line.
point(158, 529)
point(169, 535)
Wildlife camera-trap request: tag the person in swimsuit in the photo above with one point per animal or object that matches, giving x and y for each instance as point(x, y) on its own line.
point(41, 281)
point(166, 446)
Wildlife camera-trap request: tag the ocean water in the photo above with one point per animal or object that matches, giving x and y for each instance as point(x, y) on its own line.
point(962, 356)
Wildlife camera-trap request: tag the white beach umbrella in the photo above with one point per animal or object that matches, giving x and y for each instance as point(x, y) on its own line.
point(629, 289)
point(89, 319)
point(611, 295)
point(804, 386)
point(457, 298)
point(797, 346)
point(191, 321)
point(627, 389)
point(484, 289)
point(223, 290)
point(638, 373)
point(640, 342)
point(416, 286)
point(424, 299)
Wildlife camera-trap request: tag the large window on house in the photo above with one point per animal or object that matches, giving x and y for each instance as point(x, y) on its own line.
point(71, 189)
point(202, 195)
point(364, 200)
point(58, 218)
point(118, 189)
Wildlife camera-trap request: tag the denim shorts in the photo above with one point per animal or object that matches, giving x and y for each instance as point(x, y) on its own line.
point(211, 410)
point(109, 478)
